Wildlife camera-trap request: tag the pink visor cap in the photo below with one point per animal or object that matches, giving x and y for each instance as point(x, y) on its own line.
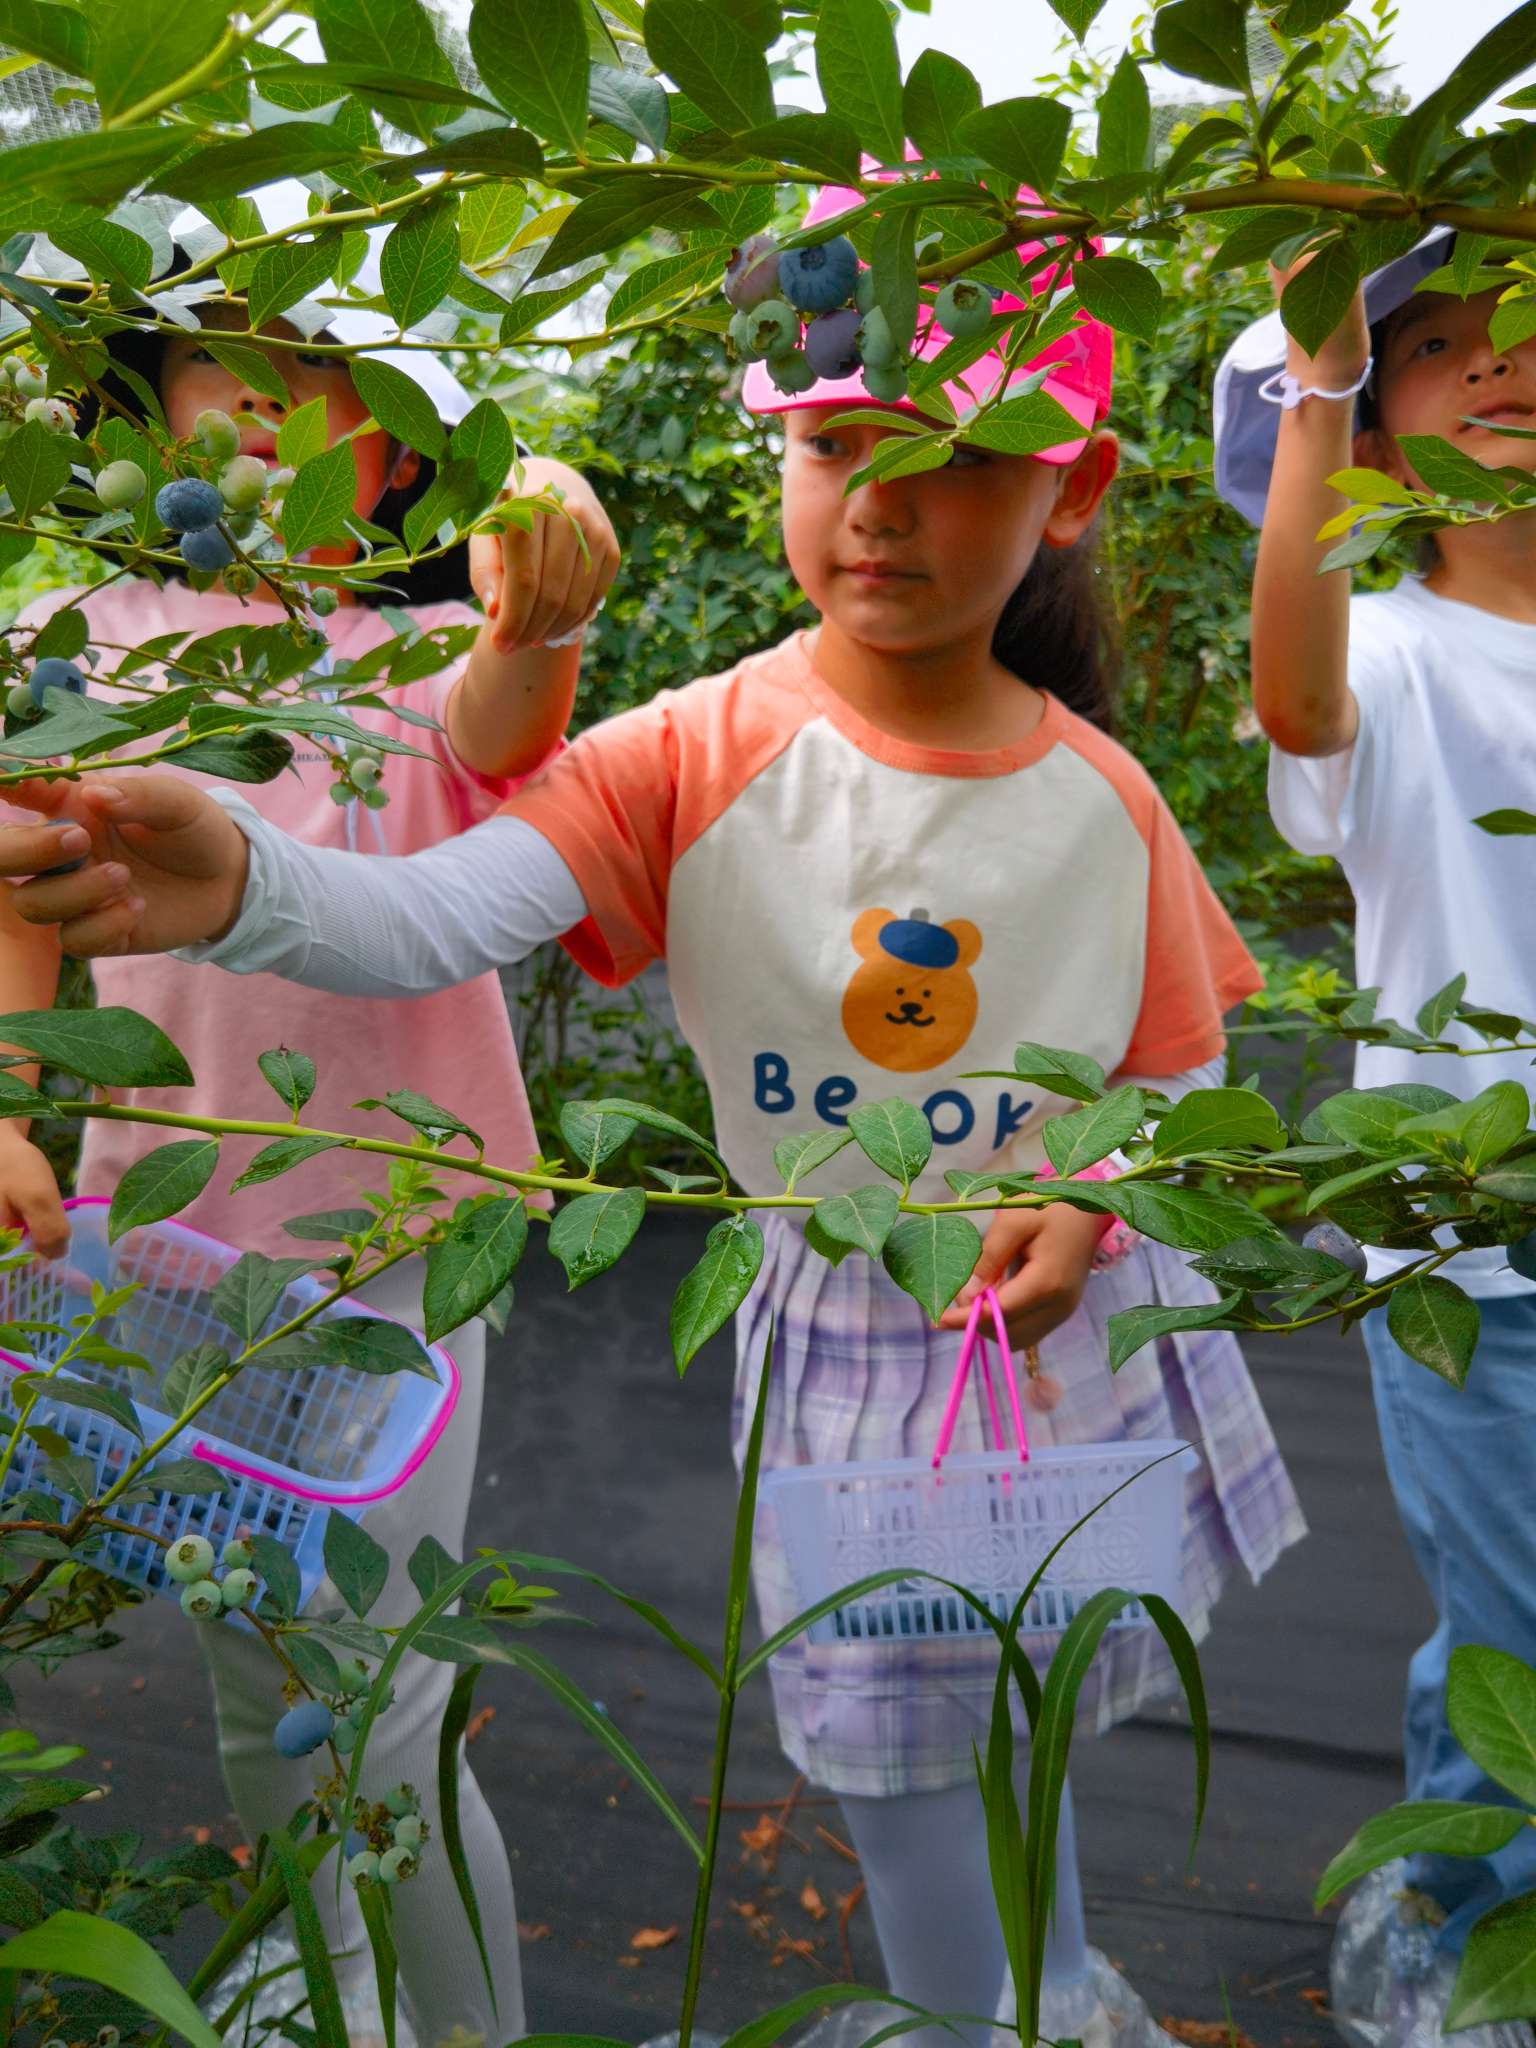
point(1081, 362)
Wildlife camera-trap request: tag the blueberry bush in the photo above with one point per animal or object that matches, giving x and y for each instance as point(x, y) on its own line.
point(501, 189)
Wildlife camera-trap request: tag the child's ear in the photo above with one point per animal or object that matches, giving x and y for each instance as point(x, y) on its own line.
point(1080, 487)
point(404, 470)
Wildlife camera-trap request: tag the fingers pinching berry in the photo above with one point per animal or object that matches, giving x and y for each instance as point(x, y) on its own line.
point(303, 1728)
point(817, 279)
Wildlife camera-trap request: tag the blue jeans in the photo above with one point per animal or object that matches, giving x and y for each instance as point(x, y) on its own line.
point(1460, 1463)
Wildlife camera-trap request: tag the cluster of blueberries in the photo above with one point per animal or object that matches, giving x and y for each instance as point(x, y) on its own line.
point(844, 331)
point(384, 1847)
point(205, 514)
point(189, 1561)
point(104, 2037)
point(337, 1721)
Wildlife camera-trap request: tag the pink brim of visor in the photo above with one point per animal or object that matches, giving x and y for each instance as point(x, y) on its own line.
point(1081, 362)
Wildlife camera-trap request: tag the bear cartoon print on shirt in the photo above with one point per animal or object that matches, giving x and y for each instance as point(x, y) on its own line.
point(911, 1003)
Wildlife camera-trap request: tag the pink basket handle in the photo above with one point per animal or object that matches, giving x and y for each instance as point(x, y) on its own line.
point(974, 1345)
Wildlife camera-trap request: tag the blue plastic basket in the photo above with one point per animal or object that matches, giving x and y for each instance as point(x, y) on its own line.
point(292, 1446)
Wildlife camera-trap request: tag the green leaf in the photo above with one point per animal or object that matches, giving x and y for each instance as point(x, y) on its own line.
point(859, 72)
point(1317, 298)
point(304, 434)
point(1369, 1120)
point(1496, 58)
point(1085, 1136)
point(110, 1401)
point(288, 272)
point(313, 1661)
point(113, 1047)
point(399, 405)
point(1497, 1978)
point(1495, 1119)
point(278, 1572)
point(895, 1135)
point(489, 216)
point(325, 2008)
point(34, 465)
point(281, 1157)
point(591, 1233)
point(1254, 239)
point(1443, 1827)
point(1451, 472)
point(484, 438)
point(1190, 1219)
point(393, 37)
point(250, 1291)
point(94, 169)
point(420, 261)
point(931, 1258)
point(1131, 1328)
point(21, 1904)
point(1506, 823)
point(1027, 138)
point(797, 1157)
point(239, 757)
point(631, 101)
point(717, 1286)
point(290, 149)
point(1078, 16)
point(192, 1373)
point(591, 1136)
point(535, 61)
point(1124, 139)
point(718, 63)
point(103, 1951)
point(320, 500)
point(291, 1076)
point(74, 725)
point(1204, 39)
point(472, 1264)
point(138, 53)
point(1490, 1702)
point(656, 1120)
point(184, 1475)
point(356, 1566)
point(59, 35)
point(252, 366)
point(422, 1114)
point(668, 281)
point(1123, 294)
point(368, 1344)
point(863, 1218)
point(1441, 1007)
point(1071, 1074)
point(938, 95)
point(1436, 1323)
point(330, 1225)
point(1218, 1120)
point(161, 1183)
point(449, 1752)
point(621, 211)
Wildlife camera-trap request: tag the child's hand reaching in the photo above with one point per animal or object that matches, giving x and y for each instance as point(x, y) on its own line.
point(541, 585)
point(165, 865)
point(1052, 1249)
point(1341, 358)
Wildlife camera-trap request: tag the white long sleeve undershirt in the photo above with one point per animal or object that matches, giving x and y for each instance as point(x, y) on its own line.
point(408, 925)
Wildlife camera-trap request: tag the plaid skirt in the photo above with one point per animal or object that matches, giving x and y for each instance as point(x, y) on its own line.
point(859, 1372)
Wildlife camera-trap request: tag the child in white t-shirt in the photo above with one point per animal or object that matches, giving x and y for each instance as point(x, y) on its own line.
point(1396, 720)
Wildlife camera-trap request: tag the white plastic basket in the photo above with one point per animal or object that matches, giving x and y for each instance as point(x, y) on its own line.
point(986, 1520)
point(292, 1446)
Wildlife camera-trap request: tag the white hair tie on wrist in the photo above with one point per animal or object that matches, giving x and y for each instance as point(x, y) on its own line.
point(570, 639)
point(1287, 391)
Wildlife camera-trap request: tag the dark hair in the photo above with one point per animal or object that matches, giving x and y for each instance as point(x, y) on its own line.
point(1055, 633)
point(141, 352)
point(1426, 553)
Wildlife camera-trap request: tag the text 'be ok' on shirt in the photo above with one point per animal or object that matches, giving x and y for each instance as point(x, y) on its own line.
point(847, 917)
point(1447, 701)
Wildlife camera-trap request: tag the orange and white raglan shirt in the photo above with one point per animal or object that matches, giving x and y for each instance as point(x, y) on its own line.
point(844, 916)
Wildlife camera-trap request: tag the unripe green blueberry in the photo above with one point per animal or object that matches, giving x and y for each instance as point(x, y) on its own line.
point(396, 1865)
point(864, 291)
point(963, 308)
point(238, 1587)
point(344, 1736)
point(237, 1554)
point(400, 1801)
point(791, 372)
point(357, 1713)
point(189, 1559)
point(18, 701)
point(876, 342)
point(217, 432)
point(354, 1676)
point(240, 579)
point(120, 485)
point(278, 481)
point(30, 381)
point(407, 1831)
point(375, 799)
point(243, 482)
point(768, 330)
point(202, 1600)
point(323, 601)
point(51, 413)
point(365, 774)
point(341, 793)
point(886, 386)
point(107, 2037)
point(242, 524)
point(364, 1868)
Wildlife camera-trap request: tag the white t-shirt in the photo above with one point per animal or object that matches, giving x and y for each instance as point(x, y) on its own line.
point(1447, 697)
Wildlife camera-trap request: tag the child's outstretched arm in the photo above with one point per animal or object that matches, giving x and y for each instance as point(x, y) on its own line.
point(510, 708)
point(1300, 649)
point(29, 980)
point(176, 869)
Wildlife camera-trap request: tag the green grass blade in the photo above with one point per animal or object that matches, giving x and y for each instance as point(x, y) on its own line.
point(72, 1944)
point(455, 1721)
point(254, 1917)
point(773, 2026)
point(1186, 1660)
point(378, 1917)
point(319, 1975)
point(542, 1567)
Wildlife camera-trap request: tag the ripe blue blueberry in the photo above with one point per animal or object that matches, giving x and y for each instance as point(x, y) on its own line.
point(53, 674)
point(243, 481)
point(1522, 1255)
point(818, 279)
point(886, 386)
point(202, 1600)
point(396, 1865)
point(400, 1801)
point(752, 274)
point(1337, 1244)
point(207, 549)
point(189, 1558)
point(407, 1831)
point(791, 372)
point(831, 344)
point(364, 1868)
point(302, 1729)
point(120, 485)
point(217, 432)
point(963, 308)
point(237, 1554)
point(187, 505)
point(238, 1587)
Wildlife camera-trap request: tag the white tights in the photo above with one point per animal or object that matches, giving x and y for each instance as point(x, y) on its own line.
point(923, 1857)
point(440, 1971)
